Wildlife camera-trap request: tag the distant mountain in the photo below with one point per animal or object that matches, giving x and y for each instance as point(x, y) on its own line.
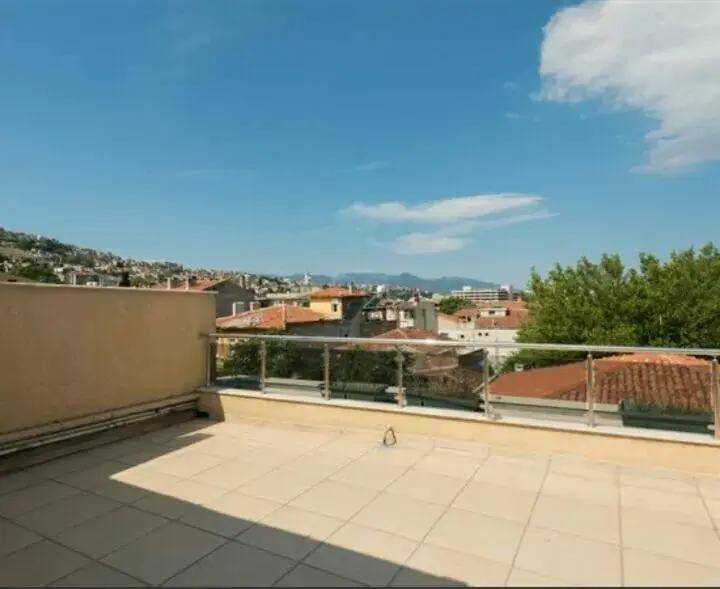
point(441, 285)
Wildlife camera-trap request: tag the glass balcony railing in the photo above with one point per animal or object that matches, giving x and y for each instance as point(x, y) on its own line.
point(600, 386)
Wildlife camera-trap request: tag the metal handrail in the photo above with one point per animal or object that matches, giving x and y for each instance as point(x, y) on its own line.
point(596, 349)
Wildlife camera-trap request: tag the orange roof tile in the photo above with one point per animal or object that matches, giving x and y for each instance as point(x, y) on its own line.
point(269, 318)
point(664, 379)
point(512, 321)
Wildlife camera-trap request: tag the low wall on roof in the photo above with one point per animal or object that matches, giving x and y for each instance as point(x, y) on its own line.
point(70, 351)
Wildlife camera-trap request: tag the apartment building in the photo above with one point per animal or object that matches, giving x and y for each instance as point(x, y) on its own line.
point(231, 298)
point(476, 295)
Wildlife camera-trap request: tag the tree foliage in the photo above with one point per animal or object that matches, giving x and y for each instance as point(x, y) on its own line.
point(675, 303)
point(287, 359)
point(452, 305)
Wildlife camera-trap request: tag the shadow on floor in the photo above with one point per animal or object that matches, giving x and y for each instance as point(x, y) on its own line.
point(102, 517)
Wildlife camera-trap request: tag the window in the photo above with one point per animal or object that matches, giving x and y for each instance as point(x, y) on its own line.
point(462, 336)
point(334, 307)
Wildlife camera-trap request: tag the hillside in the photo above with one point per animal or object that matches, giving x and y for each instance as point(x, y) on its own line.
point(440, 285)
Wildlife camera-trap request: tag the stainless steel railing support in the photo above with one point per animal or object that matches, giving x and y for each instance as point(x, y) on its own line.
point(401, 399)
point(326, 371)
point(263, 365)
point(715, 392)
point(590, 390)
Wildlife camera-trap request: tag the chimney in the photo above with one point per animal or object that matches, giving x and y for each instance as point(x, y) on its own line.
point(238, 307)
point(169, 283)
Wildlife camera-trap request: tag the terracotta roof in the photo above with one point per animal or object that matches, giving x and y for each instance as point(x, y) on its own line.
point(512, 321)
point(335, 293)
point(447, 317)
point(677, 380)
point(269, 318)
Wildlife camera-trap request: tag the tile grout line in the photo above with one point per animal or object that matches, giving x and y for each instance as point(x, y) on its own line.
point(259, 522)
point(527, 523)
point(470, 479)
point(349, 518)
point(713, 523)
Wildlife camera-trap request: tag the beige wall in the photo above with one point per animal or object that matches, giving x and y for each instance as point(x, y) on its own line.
point(70, 351)
point(698, 458)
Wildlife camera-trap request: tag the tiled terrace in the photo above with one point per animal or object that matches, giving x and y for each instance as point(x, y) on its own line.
point(253, 503)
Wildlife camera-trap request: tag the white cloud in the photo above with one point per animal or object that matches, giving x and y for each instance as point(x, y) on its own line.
point(449, 210)
point(661, 57)
point(456, 237)
point(371, 166)
point(428, 243)
point(516, 116)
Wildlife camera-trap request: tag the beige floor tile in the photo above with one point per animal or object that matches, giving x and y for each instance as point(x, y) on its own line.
point(163, 553)
point(234, 565)
point(13, 537)
point(497, 501)
point(335, 499)
point(447, 464)
point(232, 474)
point(520, 458)
point(66, 465)
point(650, 533)
point(432, 566)
point(643, 569)
point(185, 465)
point(426, 486)
point(462, 448)
point(713, 507)
point(398, 455)
point(92, 477)
point(280, 485)
point(581, 468)
point(581, 489)
point(402, 516)
point(306, 576)
point(230, 514)
point(19, 480)
point(38, 564)
point(120, 492)
point(521, 578)
point(321, 465)
point(21, 501)
point(110, 531)
point(362, 554)
point(709, 487)
point(65, 513)
point(291, 532)
point(514, 477)
point(681, 485)
point(146, 479)
point(97, 575)
point(476, 534)
point(579, 518)
point(368, 475)
point(570, 558)
point(347, 448)
point(225, 447)
point(678, 507)
point(272, 457)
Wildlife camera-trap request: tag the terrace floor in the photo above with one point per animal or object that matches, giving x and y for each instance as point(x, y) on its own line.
point(258, 504)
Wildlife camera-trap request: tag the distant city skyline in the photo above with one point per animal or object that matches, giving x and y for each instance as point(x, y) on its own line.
point(462, 138)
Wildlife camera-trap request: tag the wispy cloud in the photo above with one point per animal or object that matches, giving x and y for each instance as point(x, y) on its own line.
point(371, 166)
point(614, 50)
point(459, 235)
point(509, 85)
point(445, 211)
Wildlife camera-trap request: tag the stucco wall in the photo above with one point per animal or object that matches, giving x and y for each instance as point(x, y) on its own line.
point(68, 351)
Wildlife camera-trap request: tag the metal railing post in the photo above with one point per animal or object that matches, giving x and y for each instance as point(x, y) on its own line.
point(211, 363)
point(263, 365)
point(715, 391)
point(489, 413)
point(326, 371)
point(402, 401)
point(590, 390)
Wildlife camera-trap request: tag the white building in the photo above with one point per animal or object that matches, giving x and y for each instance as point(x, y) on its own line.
point(476, 295)
point(483, 326)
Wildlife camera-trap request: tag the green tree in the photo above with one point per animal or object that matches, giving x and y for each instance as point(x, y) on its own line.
point(452, 305)
point(670, 304)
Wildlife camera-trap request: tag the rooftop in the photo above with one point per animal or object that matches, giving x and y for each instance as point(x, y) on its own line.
point(336, 293)
point(269, 504)
point(269, 318)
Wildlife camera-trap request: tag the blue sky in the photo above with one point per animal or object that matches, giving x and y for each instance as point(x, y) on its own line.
point(474, 137)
